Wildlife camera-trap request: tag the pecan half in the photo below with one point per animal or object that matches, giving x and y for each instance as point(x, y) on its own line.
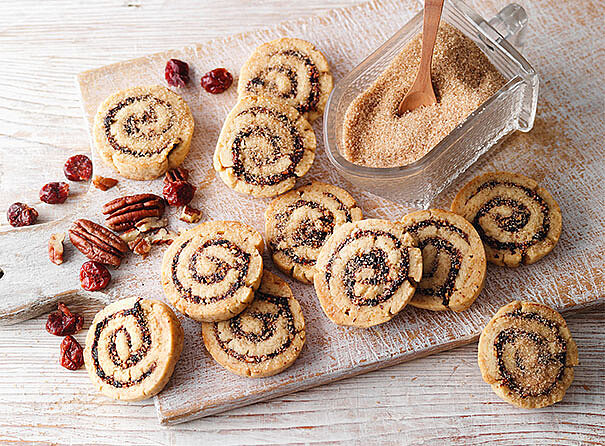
point(55, 248)
point(97, 243)
point(122, 213)
point(178, 174)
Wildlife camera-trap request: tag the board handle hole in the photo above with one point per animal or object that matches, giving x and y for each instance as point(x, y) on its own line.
point(1, 273)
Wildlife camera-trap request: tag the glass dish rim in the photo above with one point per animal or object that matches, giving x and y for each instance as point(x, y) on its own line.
point(341, 163)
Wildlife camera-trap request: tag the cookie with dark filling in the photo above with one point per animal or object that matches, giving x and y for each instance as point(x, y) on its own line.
point(290, 70)
point(298, 223)
point(453, 260)
point(527, 354)
point(518, 221)
point(367, 272)
point(210, 272)
point(144, 131)
point(265, 145)
point(263, 340)
point(132, 347)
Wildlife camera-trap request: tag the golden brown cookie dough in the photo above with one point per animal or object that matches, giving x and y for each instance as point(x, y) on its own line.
point(299, 222)
point(210, 272)
point(367, 272)
point(143, 131)
point(264, 146)
point(453, 260)
point(518, 221)
point(527, 354)
point(263, 340)
point(291, 70)
point(132, 347)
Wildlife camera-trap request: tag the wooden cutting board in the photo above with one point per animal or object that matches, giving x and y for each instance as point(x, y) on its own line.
point(563, 152)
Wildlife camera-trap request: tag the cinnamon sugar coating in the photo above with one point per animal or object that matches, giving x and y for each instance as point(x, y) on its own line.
point(463, 79)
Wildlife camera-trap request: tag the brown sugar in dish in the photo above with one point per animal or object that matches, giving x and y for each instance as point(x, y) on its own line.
point(463, 78)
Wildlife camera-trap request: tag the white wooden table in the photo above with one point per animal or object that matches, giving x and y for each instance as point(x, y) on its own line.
point(436, 400)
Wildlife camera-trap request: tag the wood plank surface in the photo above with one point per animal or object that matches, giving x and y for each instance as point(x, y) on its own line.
point(44, 46)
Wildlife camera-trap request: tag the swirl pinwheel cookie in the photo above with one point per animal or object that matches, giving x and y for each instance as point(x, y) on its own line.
point(518, 221)
point(299, 222)
point(367, 272)
point(527, 354)
point(143, 131)
point(453, 260)
point(291, 70)
point(264, 146)
point(132, 347)
point(263, 340)
point(210, 272)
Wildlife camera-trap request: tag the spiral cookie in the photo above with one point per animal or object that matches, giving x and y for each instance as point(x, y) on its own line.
point(367, 272)
point(298, 223)
point(264, 146)
point(527, 355)
point(132, 347)
point(518, 221)
point(453, 260)
point(263, 340)
point(143, 131)
point(210, 272)
point(291, 70)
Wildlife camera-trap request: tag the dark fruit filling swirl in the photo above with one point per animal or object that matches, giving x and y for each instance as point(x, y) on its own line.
point(434, 248)
point(512, 216)
point(237, 265)
point(134, 324)
point(156, 118)
point(310, 76)
point(371, 267)
point(525, 373)
point(310, 232)
point(247, 159)
point(277, 322)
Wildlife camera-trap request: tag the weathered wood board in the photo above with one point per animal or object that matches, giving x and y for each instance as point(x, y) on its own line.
point(571, 277)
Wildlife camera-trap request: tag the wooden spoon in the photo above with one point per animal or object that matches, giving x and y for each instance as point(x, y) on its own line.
point(421, 92)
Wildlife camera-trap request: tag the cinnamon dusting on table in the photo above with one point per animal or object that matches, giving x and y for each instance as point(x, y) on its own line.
point(463, 79)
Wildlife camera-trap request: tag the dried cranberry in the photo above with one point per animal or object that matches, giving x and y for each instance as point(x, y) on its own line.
point(78, 168)
point(63, 322)
point(20, 214)
point(94, 276)
point(178, 193)
point(54, 193)
point(72, 355)
point(177, 73)
point(217, 80)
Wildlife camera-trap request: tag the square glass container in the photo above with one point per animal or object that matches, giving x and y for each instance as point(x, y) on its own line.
point(512, 108)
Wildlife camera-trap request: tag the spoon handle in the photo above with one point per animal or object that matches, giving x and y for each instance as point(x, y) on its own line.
point(432, 16)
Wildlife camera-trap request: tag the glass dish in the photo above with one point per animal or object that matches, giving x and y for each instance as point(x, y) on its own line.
point(512, 108)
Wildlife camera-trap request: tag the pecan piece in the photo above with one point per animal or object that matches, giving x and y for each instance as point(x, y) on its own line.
point(97, 243)
point(190, 214)
point(178, 174)
point(104, 183)
point(122, 213)
point(140, 246)
point(162, 237)
point(130, 235)
point(149, 223)
point(55, 248)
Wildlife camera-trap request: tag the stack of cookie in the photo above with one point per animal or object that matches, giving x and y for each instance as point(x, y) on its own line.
point(267, 141)
point(251, 323)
